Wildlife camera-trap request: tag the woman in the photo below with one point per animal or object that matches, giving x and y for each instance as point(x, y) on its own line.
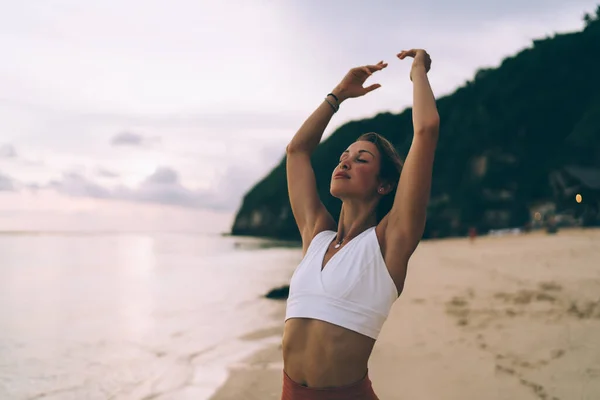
point(353, 270)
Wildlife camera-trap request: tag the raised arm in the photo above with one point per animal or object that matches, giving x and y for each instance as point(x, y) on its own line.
point(309, 212)
point(406, 220)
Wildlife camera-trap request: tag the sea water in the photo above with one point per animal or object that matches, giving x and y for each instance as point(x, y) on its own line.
point(131, 315)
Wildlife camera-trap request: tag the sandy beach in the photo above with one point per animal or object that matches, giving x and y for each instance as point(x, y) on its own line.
point(512, 317)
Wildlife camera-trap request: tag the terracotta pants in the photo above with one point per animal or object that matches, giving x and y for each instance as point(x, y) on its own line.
point(361, 390)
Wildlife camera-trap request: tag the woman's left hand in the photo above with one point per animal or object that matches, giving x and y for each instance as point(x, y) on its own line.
point(421, 59)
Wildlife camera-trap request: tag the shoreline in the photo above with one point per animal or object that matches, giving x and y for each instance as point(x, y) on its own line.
point(276, 241)
point(512, 316)
point(260, 372)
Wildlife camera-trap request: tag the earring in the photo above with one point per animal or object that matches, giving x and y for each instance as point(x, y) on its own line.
point(380, 190)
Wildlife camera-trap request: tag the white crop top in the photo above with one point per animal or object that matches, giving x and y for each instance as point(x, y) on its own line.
point(354, 290)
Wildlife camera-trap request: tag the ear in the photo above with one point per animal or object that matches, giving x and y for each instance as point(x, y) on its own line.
point(385, 188)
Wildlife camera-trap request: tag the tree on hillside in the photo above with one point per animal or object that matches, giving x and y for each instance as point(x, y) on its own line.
point(589, 18)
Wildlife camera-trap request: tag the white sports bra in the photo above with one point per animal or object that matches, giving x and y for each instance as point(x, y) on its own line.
point(354, 290)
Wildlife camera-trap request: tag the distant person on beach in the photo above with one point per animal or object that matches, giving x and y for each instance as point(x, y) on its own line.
point(472, 234)
point(353, 270)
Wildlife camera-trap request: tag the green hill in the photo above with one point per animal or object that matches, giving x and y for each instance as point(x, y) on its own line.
point(503, 137)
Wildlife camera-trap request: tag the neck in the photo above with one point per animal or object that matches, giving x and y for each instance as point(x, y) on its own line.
point(355, 218)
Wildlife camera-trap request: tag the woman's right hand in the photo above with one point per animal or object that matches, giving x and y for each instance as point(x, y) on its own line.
point(352, 84)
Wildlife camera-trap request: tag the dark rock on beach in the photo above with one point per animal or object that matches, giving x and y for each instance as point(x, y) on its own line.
point(280, 293)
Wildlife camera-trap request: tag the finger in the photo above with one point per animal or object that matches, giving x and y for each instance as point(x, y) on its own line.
point(402, 55)
point(367, 70)
point(372, 87)
point(377, 67)
point(407, 53)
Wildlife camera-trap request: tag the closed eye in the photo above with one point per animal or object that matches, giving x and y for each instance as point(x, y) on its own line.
point(358, 160)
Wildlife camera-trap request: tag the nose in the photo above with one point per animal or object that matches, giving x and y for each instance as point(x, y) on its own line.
point(344, 165)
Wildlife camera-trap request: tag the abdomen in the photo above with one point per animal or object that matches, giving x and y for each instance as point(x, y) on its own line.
point(319, 354)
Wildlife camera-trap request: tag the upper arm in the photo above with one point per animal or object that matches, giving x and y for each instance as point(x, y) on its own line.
point(405, 223)
point(309, 212)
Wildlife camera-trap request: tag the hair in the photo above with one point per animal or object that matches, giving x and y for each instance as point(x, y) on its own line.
point(389, 171)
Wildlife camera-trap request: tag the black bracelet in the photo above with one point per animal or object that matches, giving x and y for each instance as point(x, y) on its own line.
point(332, 105)
point(334, 96)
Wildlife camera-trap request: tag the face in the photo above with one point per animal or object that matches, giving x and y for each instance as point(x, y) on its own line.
point(357, 173)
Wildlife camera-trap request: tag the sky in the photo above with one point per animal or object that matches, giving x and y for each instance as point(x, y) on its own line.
point(155, 115)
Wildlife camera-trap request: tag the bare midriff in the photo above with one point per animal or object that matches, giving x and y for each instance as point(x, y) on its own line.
point(318, 354)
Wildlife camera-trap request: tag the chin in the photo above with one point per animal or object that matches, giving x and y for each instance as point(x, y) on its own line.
point(336, 191)
point(340, 191)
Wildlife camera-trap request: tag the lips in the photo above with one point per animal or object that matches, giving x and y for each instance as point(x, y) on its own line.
point(341, 175)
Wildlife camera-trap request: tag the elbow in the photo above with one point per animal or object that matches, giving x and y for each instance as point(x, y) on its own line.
point(293, 148)
point(429, 128)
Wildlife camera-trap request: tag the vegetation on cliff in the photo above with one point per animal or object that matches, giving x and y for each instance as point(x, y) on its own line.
point(502, 135)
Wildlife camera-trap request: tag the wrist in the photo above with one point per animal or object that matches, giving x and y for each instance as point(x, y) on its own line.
point(340, 94)
point(417, 69)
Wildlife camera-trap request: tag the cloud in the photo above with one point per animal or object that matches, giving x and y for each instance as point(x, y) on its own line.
point(47, 210)
point(6, 183)
point(8, 151)
point(105, 173)
point(234, 182)
point(33, 187)
point(163, 176)
point(161, 187)
point(127, 138)
point(247, 117)
point(74, 184)
point(164, 187)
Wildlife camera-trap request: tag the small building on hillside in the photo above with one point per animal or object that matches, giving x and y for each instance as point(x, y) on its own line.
point(577, 192)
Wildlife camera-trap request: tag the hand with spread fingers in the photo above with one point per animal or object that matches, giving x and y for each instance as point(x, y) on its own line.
point(352, 84)
point(421, 60)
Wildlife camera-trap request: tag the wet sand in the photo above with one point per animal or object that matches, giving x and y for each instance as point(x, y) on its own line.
point(513, 317)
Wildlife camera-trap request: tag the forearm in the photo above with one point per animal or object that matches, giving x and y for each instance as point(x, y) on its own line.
point(425, 114)
point(309, 135)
